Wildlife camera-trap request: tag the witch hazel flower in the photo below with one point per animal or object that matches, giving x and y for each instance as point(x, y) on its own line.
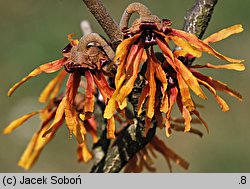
point(47, 116)
point(86, 58)
point(171, 79)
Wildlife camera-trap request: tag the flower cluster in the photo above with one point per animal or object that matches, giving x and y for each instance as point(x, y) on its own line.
point(80, 59)
point(172, 78)
point(169, 76)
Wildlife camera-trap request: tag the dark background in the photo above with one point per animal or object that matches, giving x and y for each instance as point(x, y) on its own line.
point(34, 32)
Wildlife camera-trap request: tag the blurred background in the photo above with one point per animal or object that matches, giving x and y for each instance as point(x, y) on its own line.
point(34, 32)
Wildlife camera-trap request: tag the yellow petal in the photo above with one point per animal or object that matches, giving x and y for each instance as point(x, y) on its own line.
point(122, 51)
point(28, 157)
point(222, 34)
point(84, 153)
point(193, 40)
point(47, 68)
point(237, 67)
point(111, 106)
point(178, 53)
point(187, 117)
point(132, 75)
point(150, 76)
point(164, 103)
point(58, 117)
point(72, 122)
point(35, 147)
point(189, 78)
point(187, 47)
point(218, 85)
point(223, 105)
point(185, 94)
point(142, 98)
point(52, 86)
point(159, 72)
point(111, 128)
point(167, 127)
point(124, 46)
point(179, 67)
point(18, 122)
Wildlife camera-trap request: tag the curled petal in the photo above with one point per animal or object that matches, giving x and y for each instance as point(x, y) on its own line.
point(127, 66)
point(47, 68)
point(18, 122)
point(74, 42)
point(185, 113)
point(223, 105)
point(222, 34)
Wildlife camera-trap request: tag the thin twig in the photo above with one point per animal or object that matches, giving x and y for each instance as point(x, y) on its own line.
point(108, 24)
